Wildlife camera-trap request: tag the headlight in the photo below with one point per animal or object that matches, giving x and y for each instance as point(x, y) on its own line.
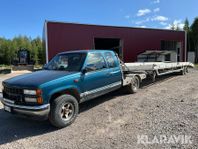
point(29, 99)
point(37, 96)
point(29, 92)
point(37, 92)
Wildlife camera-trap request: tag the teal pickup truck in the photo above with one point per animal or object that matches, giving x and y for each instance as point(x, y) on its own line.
point(68, 79)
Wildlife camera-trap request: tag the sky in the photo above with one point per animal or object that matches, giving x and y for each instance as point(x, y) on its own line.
point(26, 17)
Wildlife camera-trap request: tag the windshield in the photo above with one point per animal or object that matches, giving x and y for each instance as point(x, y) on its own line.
point(67, 62)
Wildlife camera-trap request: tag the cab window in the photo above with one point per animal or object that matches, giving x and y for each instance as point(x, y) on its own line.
point(110, 60)
point(96, 61)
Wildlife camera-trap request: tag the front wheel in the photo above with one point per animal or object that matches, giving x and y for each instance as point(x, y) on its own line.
point(63, 111)
point(133, 86)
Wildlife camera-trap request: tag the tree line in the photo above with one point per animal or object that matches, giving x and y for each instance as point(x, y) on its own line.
point(9, 49)
point(192, 36)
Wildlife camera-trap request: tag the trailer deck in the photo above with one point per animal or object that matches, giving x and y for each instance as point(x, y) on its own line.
point(154, 69)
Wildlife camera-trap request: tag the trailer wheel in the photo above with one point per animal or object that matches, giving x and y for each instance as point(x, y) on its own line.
point(183, 71)
point(63, 111)
point(133, 86)
point(187, 70)
point(154, 76)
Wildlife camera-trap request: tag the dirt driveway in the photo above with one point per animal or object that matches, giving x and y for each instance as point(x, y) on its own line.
point(167, 108)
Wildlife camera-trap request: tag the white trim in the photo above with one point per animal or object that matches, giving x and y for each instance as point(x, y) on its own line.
point(100, 89)
point(46, 42)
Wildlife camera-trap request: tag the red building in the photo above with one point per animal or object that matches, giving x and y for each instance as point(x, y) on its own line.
point(128, 42)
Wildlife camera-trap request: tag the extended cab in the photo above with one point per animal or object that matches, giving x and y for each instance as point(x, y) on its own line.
point(68, 79)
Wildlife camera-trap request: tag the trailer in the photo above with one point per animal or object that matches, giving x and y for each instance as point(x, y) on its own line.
point(154, 69)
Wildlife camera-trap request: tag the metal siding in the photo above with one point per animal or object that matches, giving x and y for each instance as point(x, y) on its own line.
point(67, 36)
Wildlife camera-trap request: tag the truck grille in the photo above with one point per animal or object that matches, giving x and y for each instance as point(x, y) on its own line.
point(11, 90)
point(14, 94)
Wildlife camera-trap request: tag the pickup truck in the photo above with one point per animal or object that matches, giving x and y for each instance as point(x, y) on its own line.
point(69, 79)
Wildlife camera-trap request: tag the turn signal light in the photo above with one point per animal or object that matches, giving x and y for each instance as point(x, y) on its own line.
point(39, 100)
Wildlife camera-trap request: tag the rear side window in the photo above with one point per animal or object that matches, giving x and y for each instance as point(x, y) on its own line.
point(96, 60)
point(110, 59)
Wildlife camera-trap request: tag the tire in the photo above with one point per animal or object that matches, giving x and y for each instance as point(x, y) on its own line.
point(63, 111)
point(133, 86)
point(183, 71)
point(154, 76)
point(187, 71)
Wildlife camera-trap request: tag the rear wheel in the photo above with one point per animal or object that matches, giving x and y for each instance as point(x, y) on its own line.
point(133, 86)
point(64, 110)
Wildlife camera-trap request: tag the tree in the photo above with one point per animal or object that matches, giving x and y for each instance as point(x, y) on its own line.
point(186, 25)
point(9, 49)
point(194, 37)
point(172, 27)
point(186, 28)
point(177, 27)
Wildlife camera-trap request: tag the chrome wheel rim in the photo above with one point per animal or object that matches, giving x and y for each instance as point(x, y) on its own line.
point(67, 111)
point(135, 84)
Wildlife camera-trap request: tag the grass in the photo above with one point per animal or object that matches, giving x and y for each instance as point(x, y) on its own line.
point(38, 66)
point(5, 67)
point(196, 65)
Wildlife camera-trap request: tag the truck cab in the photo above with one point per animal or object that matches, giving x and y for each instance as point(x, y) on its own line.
point(68, 79)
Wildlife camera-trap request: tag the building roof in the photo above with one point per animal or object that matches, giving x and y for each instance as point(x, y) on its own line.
point(76, 23)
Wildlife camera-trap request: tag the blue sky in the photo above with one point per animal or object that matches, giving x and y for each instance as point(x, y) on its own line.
point(26, 17)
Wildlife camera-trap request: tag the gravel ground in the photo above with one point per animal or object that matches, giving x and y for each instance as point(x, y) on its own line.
point(168, 107)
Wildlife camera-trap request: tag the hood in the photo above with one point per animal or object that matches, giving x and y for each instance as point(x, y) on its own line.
point(35, 79)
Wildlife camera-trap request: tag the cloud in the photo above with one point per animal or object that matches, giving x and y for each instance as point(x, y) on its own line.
point(142, 21)
point(142, 26)
point(156, 10)
point(168, 26)
point(176, 23)
point(180, 23)
point(160, 18)
point(156, 1)
point(163, 23)
point(127, 16)
point(143, 12)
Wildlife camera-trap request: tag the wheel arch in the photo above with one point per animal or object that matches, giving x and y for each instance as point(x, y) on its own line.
point(70, 91)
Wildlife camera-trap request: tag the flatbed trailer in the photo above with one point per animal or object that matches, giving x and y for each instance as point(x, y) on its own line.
point(154, 69)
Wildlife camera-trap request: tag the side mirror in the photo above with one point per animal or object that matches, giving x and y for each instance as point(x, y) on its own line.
point(89, 68)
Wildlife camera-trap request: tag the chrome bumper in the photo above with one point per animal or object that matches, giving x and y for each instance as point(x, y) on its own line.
point(37, 111)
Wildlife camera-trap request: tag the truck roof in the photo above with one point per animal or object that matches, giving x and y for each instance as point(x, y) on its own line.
point(86, 51)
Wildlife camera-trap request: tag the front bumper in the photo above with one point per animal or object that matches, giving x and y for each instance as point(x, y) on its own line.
point(35, 111)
